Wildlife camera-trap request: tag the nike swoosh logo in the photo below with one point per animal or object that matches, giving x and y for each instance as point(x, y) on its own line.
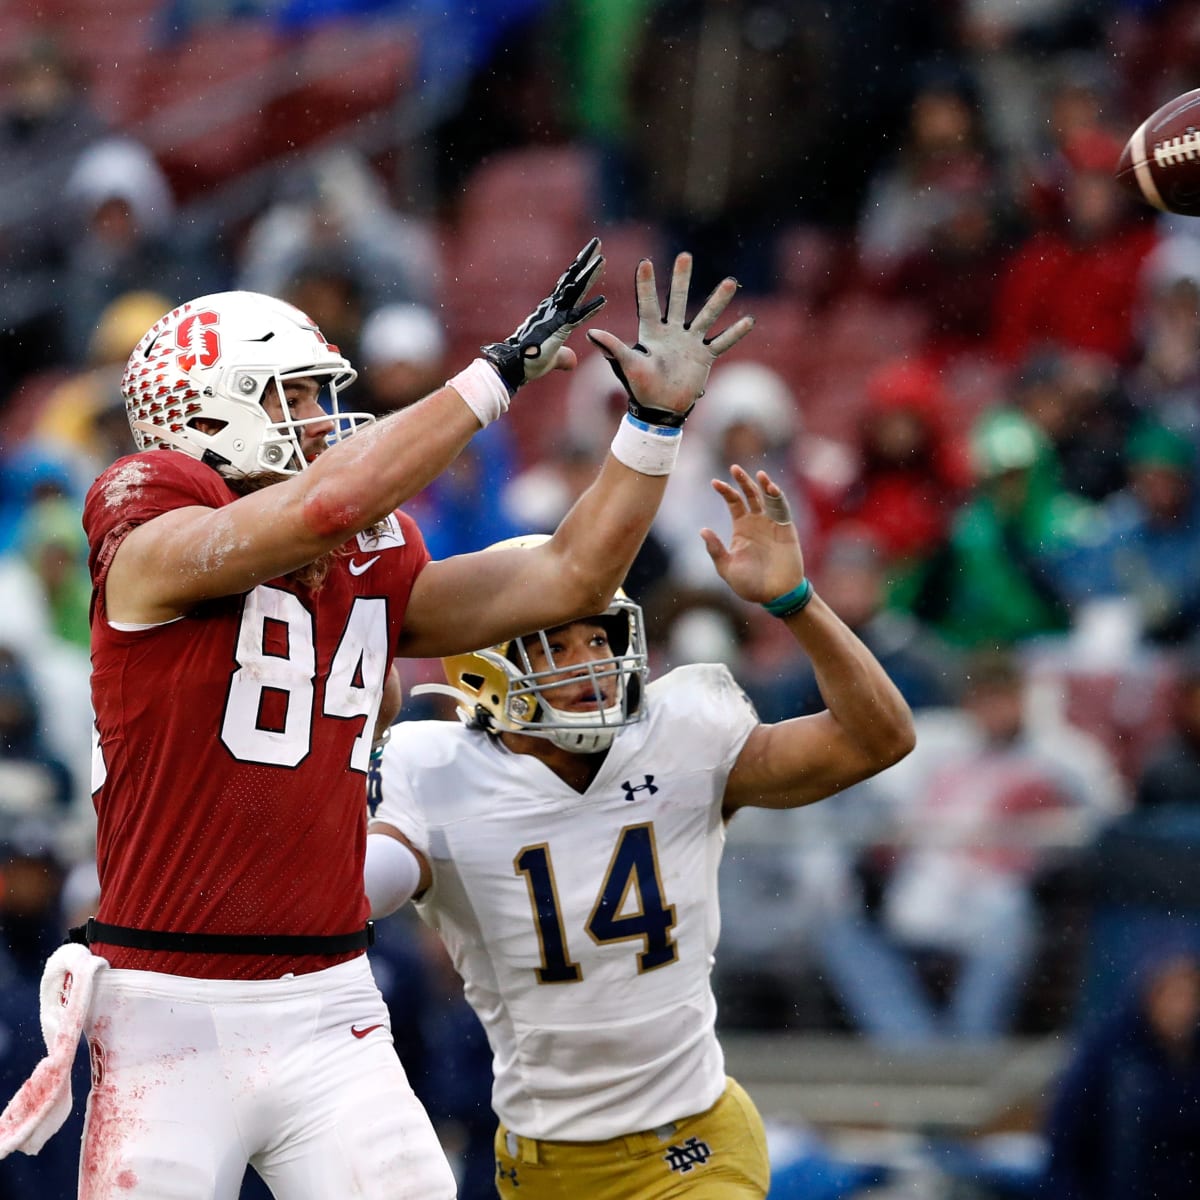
point(357, 568)
point(362, 1033)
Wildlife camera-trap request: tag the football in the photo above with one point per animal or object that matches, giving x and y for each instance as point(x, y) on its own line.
point(1160, 164)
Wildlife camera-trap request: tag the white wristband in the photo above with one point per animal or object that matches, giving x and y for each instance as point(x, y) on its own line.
point(391, 874)
point(647, 449)
point(483, 390)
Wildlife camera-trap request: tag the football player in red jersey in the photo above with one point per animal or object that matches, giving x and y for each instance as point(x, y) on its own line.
point(253, 580)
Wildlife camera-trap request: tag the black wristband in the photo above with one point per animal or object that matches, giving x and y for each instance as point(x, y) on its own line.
point(658, 416)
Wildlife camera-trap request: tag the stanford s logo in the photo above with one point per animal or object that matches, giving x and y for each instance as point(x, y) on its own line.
point(198, 341)
point(631, 790)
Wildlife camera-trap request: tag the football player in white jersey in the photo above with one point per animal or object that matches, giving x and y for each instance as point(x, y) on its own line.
point(564, 841)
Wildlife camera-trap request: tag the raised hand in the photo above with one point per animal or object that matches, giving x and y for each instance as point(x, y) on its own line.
point(665, 371)
point(764, 559)
point(537, 344)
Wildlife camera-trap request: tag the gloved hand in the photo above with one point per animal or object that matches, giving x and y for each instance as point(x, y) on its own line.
point(536, 345)
point(665, 371)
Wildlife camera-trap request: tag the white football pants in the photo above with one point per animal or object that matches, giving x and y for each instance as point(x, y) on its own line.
point(194, 1078)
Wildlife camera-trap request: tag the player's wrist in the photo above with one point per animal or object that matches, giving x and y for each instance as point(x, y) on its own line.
point(791, 602)
point(657, 416)
point(649, 449)
point(483, 389)
point(650, 414)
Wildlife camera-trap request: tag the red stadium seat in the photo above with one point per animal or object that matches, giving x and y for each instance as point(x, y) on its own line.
point(497, 270)
point(552, 184)
point(337, 74)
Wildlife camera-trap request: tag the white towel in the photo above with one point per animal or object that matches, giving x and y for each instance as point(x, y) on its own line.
point(43, 1101)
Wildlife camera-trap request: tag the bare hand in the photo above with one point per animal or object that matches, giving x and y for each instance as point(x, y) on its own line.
point(764, 559)
point(668, 366)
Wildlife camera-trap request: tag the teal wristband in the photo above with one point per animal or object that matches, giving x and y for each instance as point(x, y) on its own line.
point(791, 602)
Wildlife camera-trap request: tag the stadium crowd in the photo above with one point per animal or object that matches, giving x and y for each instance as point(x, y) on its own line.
point(976, 372)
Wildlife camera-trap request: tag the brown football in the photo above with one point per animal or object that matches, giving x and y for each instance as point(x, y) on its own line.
point(1160, 164)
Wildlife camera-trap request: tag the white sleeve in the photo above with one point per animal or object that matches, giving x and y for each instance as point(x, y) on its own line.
point(391, 873)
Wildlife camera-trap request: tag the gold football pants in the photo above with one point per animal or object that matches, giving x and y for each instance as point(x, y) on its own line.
point(720, 1154)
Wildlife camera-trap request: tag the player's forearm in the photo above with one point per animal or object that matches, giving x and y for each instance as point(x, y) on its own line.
point(856, 689)
point(362, 480)
point(600, 537)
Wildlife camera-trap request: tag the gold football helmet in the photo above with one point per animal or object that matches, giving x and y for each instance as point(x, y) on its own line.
point(498, 689)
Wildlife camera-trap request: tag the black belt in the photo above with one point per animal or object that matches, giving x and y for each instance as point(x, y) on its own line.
point(222, 943)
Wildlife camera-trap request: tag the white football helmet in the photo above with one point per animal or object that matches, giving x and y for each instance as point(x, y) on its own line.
point(497, 689)
point(212, 359)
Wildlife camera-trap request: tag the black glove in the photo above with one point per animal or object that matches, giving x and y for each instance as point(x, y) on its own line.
point(531, 350)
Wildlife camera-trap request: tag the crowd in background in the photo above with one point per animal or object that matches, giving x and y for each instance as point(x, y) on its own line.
point(977, 374)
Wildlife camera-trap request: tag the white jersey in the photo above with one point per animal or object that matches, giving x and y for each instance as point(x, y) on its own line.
point(583, 924)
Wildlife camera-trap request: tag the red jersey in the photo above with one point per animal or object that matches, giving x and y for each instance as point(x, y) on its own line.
point(234, 742)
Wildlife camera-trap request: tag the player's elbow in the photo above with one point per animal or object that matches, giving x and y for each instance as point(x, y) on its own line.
point(582, 589)
point(330, 514)
point(895, 738)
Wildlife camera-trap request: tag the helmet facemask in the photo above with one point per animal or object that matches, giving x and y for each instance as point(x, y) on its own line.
point(500, 690)
point(583, 731)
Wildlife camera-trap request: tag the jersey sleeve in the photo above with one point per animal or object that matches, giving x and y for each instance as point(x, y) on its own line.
point(398, 803)
point(137, 489)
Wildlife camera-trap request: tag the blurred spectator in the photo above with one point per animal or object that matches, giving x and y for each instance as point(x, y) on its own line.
point(1076, 99)
point(34, 471)
point(749, 415)
point(334, 208)
point(1147, 545)
point(31, 874)
point(31, 879)
point(943, 155)
point(401, 357)
point(1018, 49)
point(708, 86)
point(1165, 381)
point(954, 270)
point(1075, 398)
point(327, 287)
point(46, 122)
point(53, 543)
point(1170, 777)
point(32, 777)
point(600, 44)
point(912, 473)
point(990, 800)
point(1125, 1119)
point(994, 579)
point(1075, 282)
point(490, 76)
point(84, 415)
point(124, 237)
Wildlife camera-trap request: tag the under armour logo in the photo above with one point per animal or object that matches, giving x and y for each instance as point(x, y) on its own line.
point(510, 1174)
point(693, 1153)
point(648, 786)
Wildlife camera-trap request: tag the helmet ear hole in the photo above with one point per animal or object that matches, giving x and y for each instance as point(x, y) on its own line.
point(209, 425)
